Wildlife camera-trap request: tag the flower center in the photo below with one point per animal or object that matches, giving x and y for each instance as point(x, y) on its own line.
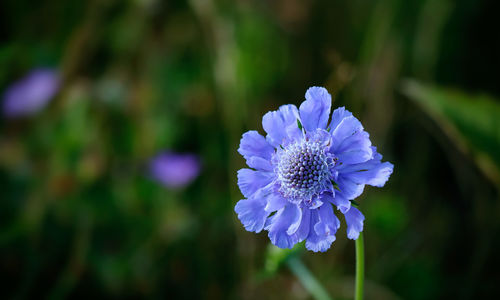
point(303, 168)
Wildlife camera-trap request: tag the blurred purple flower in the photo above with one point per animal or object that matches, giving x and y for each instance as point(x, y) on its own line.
point(175, 170)
point(30, 94)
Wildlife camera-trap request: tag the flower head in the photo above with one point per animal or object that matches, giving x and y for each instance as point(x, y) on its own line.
point(174, 170)
point(31, 94)
point(305, 167)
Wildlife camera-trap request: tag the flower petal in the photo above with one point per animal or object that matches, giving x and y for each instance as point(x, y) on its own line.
point(260, 163)
point(377, 175)
point(290, 115)
point(303, 230)
point(329, 223)
point(254, 144)
point(354, 219)
point(316, 242)
point(250, 181)
point(320, 135)
point(251, 214)
point(349, 189)
point(354, 149)
point(354, 156)
point(274, 202)
point(346, 128)
point(338, 115)
point(281, 124)
point(296, 222)
point(314, 112)
point(373, 172)
point(278, 225)
point(338, 200)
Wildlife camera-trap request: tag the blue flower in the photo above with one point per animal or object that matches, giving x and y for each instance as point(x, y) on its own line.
point(31, 94)
point(174, 170)
point(304, 168)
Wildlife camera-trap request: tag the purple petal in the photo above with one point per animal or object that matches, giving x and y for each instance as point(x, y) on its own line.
point(314, 112)
point(296, 222)
point(275, 201)
point(314, 203)
point(349, 189)
point(260, 163)
point(346, 128)
point(354, 219)
point(375, 175)
point(373, 172)
point(338, 200)
point(304, 228)
point(316, 242)
point(291, 115)
point(281, 124)
point(329, 223)
point(251, 181)
point(320, 135)
point(251, 214)
point(174, 170)
point(337, 116)
point(31, 94)
point(279, 224)
point(254, 144)
point(354, 149)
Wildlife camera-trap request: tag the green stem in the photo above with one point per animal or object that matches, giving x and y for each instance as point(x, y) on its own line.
point(307, 279)
point(360, 267)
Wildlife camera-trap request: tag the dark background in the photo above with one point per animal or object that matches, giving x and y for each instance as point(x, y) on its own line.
point(80, 218)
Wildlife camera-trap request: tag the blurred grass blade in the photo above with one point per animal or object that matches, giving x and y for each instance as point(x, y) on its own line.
point(276, 257)
point(307, 279)
point(471, 121)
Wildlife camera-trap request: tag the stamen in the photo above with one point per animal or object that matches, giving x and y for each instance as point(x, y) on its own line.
point(304, 170)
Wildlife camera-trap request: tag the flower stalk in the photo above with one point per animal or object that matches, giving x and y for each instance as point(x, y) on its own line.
point(360, 268)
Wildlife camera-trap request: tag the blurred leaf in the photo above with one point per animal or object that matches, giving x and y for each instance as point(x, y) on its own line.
point(420, 276)
point(471, 121)
point(275, 257)
point(262, 53)
point(387, 214)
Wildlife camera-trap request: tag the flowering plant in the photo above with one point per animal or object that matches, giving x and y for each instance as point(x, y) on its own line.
point(302, 169)
point(31, 94)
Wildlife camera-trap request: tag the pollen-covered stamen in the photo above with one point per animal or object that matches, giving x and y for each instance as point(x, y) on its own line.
point(303, 169)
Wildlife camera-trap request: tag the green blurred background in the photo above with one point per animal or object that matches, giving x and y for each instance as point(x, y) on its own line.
point(80, 218)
